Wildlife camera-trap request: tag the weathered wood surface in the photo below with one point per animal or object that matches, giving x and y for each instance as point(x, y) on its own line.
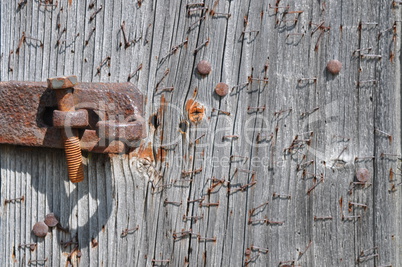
point(124, 192)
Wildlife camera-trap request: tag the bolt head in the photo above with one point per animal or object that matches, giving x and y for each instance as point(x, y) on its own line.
point(362, 175)
point(51, 220)
point(204, 67)
point(334, 66)
point(40, 229)
point(222, 89)
point(62, 82)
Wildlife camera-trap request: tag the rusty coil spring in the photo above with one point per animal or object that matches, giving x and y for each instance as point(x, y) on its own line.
point(74, 159)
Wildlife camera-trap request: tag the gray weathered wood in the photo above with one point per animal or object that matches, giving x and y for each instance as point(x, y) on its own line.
point(125, 191)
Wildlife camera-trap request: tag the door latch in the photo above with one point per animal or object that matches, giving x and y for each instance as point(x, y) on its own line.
point(95, 117)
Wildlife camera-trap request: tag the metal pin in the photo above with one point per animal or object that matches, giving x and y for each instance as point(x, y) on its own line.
point(315, 185)
point(366, 81)
point(239, 86)
point(362, 259)
point(197, 139)
point(206, 239)
point(322, 218)
point(153, 260)
point(259, 140)
point(183, 233)
point(186, 173)
point(294, 34)
point(198, 20)
point(345, 218)
point(370, 56)
point(304, 114)
point(273, 222)
point(305, 250)
point(220, 111)
point(191, 5)
point(251, 79)
point(166, 202)
point(251, 212)
point(131, 75)
point(123, 29)
point(164, 89)
point(387, 134)
point(351, 204)
point(242, 188)
point(173, 50)
point(163, 77)
point(13, 200)
point(304, 165)
point(60, 35)
point(22, 40)
point(126, 231)
point(383, 155)
point(235, 156)
point(252, 259)
point(259, 249)
point(307, 79)
point(95, 13)
point(205, 43)
point(106, 60)
point(217, 14)
point(32, 246)
point(37, 261)
point(362, 49)
point(276, 195)
point(257, 109)
point(190, 10)
point(209, 204)
point(195, 218)
point(229, 136)
point(196, 200)
point(90, 35)
point(291, 262)
point(363, 252)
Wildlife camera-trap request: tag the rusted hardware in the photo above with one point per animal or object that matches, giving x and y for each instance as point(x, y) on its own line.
point(63, 87)
point(111, 112)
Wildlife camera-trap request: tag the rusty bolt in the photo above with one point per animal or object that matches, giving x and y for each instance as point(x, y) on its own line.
point(51, 220)
point(204, 67)
point(334, 66)
point(221, 89)
point(40, 229)
point(362, 175)
point(63, 87)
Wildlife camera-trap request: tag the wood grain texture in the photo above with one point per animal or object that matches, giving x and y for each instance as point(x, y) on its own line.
point(157, 186)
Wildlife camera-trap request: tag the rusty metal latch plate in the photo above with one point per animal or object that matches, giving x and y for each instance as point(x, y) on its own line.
point(115, 116)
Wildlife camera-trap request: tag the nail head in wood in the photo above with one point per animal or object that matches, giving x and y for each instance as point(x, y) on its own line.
point(51, 220)
point(222, 89)
point(362, 175)
point(40, 229)
point(204, 67)
point(334, 67)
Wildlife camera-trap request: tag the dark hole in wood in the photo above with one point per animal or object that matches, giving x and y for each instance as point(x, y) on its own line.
point(154, 121)
point(183, 126)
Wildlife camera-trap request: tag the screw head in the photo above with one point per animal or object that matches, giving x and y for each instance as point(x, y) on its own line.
point(51, 220)
point(40, 229)
point(334, 66)
point(221, 89)
point(204, 67)
point(62, 82)
point(362, 175)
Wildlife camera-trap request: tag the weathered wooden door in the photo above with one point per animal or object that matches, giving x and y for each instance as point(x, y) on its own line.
point(263, 176)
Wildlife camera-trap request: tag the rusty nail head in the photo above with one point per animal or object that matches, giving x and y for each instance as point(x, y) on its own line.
point(362, 175)
point(222, 89)
point(51, 220)
point(334, 66)
point(40, 229)
point(62, 82)
point(204, 67)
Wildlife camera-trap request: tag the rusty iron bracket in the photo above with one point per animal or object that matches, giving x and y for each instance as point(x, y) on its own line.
point(108, 117)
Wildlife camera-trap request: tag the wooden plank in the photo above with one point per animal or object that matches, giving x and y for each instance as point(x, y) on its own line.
point(254, 43)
